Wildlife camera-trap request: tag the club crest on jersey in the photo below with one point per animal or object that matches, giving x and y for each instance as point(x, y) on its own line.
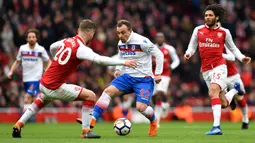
point(77, 88)
point(133, 47)
point(219, 34)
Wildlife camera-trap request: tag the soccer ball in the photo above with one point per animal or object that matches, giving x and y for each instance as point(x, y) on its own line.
point(122, 126)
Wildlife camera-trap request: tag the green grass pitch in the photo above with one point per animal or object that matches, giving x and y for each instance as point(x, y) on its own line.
point(170, 132)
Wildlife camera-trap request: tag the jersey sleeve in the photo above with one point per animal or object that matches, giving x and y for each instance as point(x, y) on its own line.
point(192, 47)
point(175, 59)
point(228, 55)
point(86, 53)
point(45, 55)
point(19, 56)
point(54, 46)
point(119, 67)
point(232, 47)
point(150, 48)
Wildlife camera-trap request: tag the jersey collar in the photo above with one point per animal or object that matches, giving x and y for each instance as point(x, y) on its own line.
point(36, 44)
point(130, 36)
point(78, 37)
point(217, 27)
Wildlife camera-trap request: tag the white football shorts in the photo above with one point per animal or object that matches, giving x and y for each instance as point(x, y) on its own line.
point(66, 92)
point(231, 81)
point(216, 75)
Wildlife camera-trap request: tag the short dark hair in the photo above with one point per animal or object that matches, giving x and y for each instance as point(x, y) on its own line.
point(218, 10)
point(124, 22)
point(32, 30)
point(87, 25)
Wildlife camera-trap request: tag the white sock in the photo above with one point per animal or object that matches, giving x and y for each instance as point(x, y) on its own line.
point(86, 116)
point(229, 95)
point(244, 110)
point(29, 113)
point(149, 113)
point(25, 107)
point(104, 100)
point(216, 114)
point(158, 110)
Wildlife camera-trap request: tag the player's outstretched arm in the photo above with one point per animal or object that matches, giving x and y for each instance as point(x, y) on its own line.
point(232, 47)
point(192, 47)
point(229, 56)
point(13, 67)
point(86, 53)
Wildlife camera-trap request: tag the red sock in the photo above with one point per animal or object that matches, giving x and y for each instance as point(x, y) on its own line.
point(242, 103)
point(89, 103)
point(39, 103)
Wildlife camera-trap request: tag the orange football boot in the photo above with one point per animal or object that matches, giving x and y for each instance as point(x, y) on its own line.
point(153, 128)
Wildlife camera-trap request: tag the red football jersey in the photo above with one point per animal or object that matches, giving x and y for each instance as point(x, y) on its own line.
point(63, 65)
point(167, 61)
point(232, 70)
point(211, 46)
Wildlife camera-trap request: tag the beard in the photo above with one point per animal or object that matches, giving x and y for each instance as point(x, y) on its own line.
point(31, 43)
point(212, 23)
point(160, 44)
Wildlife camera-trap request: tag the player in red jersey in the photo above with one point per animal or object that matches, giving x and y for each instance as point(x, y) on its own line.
point(171, 61)
point(70, 52)
point(210, 38)
point(233, 78)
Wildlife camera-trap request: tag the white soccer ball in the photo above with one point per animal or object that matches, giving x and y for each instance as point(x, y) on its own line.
point(122, 126)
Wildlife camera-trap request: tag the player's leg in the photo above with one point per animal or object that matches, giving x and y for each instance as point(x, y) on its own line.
point(71, 92)
point(143, 91)
point(240, 98)
point(117, 87)
point(214, 91)
point(38, 104)
point(28, 97)
point(157, 101)
point(217, 77)
point(160, 100)
point(32, 110)
point(126, 104)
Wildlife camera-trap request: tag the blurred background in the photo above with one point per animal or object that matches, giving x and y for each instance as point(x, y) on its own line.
point(57, 19)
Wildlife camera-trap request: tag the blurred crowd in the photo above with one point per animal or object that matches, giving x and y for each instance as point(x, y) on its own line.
point(57, 19)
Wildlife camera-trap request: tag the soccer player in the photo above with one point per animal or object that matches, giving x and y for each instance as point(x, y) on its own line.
point(69, 53)
point(234, 81)
point(124, 105)
point(171, 61)
point(34, 59)
point(210, 38)
point(137, 80)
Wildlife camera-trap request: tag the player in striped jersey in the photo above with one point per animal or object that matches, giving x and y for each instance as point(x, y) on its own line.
point(34, 59)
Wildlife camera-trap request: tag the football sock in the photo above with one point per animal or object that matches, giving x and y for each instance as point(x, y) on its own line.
point(101, 104)
point(216, 107)
point(25, 107)
point(244, 110)
point(87, 109)
point(149, 113)
point(33, 109)
point(158, 110)
point(229, 95)
point(125, 112)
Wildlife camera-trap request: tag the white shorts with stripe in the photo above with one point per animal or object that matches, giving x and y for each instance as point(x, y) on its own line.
point(66, 92)
point(216, 75)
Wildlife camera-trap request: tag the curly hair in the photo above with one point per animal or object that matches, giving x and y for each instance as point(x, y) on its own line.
point(218, 10)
